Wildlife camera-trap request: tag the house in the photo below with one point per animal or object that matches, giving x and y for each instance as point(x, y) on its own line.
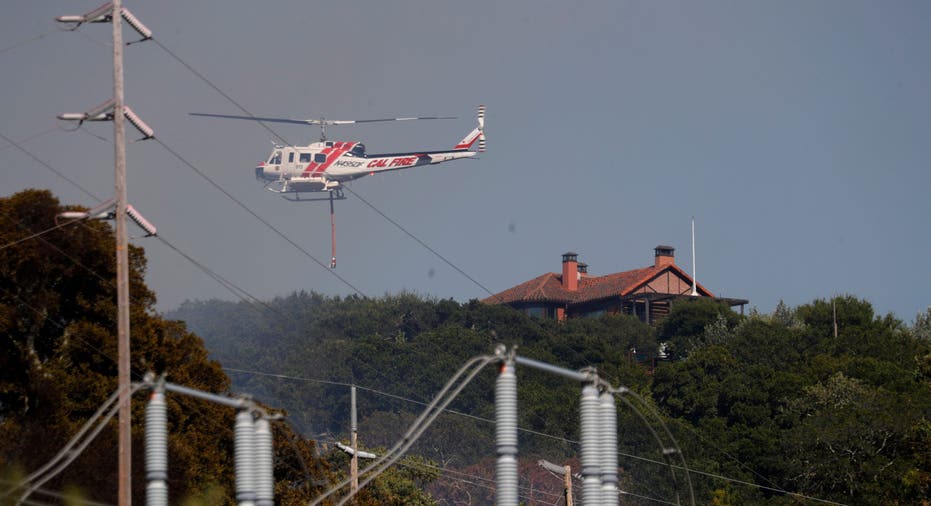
point(573, 292)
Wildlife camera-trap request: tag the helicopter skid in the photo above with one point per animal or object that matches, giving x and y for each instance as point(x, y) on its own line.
point(294, 196)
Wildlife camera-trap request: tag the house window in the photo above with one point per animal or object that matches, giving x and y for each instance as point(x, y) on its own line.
point(540, 312)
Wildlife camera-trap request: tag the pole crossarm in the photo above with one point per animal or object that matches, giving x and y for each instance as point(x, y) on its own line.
point(584, 376)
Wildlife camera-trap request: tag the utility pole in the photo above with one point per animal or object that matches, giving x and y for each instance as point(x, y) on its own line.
point(834, 315)
point(354, 428)
point(568, 485)
point(122, 263)
point(114, 13)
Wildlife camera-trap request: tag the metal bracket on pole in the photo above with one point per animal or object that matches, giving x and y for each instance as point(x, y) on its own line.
point(105, 112)
point(104, 14)
point(106, 211)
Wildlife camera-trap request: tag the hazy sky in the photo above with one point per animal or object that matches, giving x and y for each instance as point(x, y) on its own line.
point(797, 133)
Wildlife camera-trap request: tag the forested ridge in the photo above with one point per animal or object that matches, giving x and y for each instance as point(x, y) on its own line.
point(760, 405)
point(58, 366)
point(826, 401)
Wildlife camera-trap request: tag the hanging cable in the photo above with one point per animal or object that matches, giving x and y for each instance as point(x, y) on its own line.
point(256, 216)
point(28, 41)
point(31, 137)
point(416, 428)
point(74, 447)
point(285, 141)
point(422, 423)
point(49, 167)
point(417, 239)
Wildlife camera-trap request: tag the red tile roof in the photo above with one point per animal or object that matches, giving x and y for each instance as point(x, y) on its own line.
point(548, 287)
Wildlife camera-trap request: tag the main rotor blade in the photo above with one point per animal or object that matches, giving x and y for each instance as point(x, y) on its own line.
point(340, 122)
point(256, 118)
point(321, 121)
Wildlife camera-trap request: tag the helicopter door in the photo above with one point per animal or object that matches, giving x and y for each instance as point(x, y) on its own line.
point(289, 165)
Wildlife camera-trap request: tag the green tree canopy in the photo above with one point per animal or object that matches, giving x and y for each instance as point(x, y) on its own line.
point(58, 360)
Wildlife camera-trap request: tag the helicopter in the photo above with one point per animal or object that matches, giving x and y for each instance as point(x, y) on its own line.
point(325, 166)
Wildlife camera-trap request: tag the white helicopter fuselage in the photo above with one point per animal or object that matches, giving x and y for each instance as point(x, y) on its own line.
point(324, 166)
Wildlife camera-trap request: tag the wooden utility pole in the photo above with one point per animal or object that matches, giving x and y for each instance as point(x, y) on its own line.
point(568, 482)
point(122, 263)
point(354, 428)
point(834, 315)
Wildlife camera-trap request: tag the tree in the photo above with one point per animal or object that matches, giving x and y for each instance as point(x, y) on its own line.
point(922, 327)
point(58, 358)
point(684, 329)
point(848, 442)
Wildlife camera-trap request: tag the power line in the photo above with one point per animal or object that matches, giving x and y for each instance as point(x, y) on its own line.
point(25, 42)
point(237, 291)
point(37, 234)
point(256, 216)
point(415, 238)
point(558, 438)
point(57, 495)
point(364, 201)
point(450, 391)
point(285, 141)
point(31, 137)
point(229, 285)
point(215, 88)
point(49, 167)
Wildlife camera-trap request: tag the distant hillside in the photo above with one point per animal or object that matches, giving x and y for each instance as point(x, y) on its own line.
point(773, 400)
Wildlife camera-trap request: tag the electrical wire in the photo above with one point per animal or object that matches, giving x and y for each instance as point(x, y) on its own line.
point(662, 447)
point(58, 495)
point(216, 88)
point(256, 216)
point(285, 141)
point(49, 167)
point(416, 428)
point(66, 255)
point(423, 422)
point(62, 328)
point(25, 42)
point(37, 234)
point(234, 289)
point(536, 433)
point(67, 455)
point(31, 137)
point(417, 239)
point(527, 494)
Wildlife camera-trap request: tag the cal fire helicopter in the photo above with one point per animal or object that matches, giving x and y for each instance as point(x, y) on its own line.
point(324, 166)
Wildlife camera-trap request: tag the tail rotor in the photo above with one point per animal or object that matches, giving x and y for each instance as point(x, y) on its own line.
point(481, 129)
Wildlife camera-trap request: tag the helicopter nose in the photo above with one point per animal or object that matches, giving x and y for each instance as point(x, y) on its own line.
point(258, 171)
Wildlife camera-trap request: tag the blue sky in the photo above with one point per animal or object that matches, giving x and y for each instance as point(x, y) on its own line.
point(797, 133)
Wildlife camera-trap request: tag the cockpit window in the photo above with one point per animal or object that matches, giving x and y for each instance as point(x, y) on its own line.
point(305, 157)
point(275, 159)
point(320, 158)
point(358, 149)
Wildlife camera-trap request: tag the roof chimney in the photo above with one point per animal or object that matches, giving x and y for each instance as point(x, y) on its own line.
point(570, 271)
point(665, 255)
point(583, 269)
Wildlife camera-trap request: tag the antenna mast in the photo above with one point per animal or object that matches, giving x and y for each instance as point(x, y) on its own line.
point(694, 270)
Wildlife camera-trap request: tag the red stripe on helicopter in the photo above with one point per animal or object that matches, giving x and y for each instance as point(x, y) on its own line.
point(332, 154)
point(466, 144)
